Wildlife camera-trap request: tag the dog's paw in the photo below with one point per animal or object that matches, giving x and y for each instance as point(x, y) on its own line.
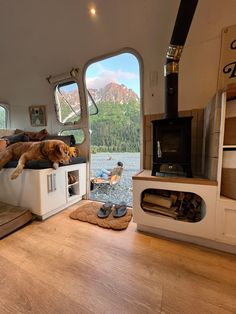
point(55, 165)
point(14, 175)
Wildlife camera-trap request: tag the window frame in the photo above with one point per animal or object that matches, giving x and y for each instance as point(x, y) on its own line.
point(7, 114)
point(70, 130)
point(56, 90)
point(136, 54)
point(89, 96)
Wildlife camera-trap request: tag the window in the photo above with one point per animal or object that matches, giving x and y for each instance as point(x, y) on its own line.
point(78, 134)
point(3, 116)
point(68, 105)
point(68, 102)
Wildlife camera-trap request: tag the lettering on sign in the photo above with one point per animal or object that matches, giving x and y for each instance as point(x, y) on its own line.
point(227, 72)
point(230, 69)
point(233, 44)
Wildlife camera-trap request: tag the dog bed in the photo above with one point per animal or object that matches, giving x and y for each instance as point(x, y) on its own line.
point(12, 218)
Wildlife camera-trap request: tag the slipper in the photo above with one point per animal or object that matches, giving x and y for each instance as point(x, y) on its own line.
point(120, 210)
point(105, 210)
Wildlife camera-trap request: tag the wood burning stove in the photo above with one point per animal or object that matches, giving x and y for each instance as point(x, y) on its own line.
point(172, 146)
point(172, 135)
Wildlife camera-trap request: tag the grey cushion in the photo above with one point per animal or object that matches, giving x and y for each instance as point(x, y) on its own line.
point(21, 137)
point(44, 163)
point(67, 139)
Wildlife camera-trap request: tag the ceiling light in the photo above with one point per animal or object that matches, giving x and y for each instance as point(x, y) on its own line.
point(93, 11)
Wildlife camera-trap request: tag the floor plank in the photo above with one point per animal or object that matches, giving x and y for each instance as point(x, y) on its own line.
point(65, 266)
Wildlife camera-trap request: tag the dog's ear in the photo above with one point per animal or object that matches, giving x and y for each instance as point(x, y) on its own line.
point(62, 149)
point(59, 148)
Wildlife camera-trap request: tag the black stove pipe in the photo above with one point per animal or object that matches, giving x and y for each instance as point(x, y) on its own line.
point(171, 69)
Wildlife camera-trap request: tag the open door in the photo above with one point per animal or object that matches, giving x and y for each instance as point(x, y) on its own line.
point(115, 131)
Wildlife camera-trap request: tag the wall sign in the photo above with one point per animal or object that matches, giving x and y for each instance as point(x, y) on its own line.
point(227, 71)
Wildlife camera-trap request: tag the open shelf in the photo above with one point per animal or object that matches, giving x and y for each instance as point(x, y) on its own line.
point(226, 202)
point(73, 186)
point(182, 206)
point(72, 197)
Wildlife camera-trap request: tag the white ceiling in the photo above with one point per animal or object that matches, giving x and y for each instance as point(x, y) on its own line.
point(49, 37)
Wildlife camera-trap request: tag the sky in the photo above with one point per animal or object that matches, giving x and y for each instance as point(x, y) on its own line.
point(120, 69)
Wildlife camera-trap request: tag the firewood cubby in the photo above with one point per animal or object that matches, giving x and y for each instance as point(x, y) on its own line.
point(157, 223)
point(177, 205)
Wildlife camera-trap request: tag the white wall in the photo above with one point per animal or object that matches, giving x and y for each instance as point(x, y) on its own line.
point(199, 64)
point(42, 38)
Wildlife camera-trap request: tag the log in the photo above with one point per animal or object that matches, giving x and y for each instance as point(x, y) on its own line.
point(171, 212)
point(158, 200)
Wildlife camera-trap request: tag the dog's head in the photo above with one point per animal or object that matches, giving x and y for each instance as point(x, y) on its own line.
point(58, 152)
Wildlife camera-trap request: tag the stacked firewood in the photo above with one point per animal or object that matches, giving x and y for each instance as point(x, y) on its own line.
point(184, 206)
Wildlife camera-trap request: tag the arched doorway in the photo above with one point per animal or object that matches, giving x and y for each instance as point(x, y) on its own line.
point(115, 131)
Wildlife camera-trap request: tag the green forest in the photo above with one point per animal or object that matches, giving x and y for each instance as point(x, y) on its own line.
point(116, 128)
point(2, 118)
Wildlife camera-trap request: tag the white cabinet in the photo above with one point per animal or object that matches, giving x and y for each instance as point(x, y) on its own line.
point(226, 206)
point(206, 189)
point(216, 229)
point(45, 191)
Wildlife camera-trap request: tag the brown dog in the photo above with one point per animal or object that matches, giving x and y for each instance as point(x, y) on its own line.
point(53, 150)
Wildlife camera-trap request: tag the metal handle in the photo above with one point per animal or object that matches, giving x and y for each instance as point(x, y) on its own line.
point(159, 152)
point(51, 181)
point(54, 182)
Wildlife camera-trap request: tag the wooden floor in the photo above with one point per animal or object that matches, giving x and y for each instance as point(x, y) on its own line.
point(67, 266)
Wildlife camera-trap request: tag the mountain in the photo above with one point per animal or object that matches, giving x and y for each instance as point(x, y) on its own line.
point(115, 93)
point(117, 126)
point(112, 92)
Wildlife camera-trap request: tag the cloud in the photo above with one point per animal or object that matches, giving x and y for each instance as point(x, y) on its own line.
point(105, 77)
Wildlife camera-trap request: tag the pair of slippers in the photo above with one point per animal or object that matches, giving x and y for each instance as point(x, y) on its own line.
point(106, 209)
